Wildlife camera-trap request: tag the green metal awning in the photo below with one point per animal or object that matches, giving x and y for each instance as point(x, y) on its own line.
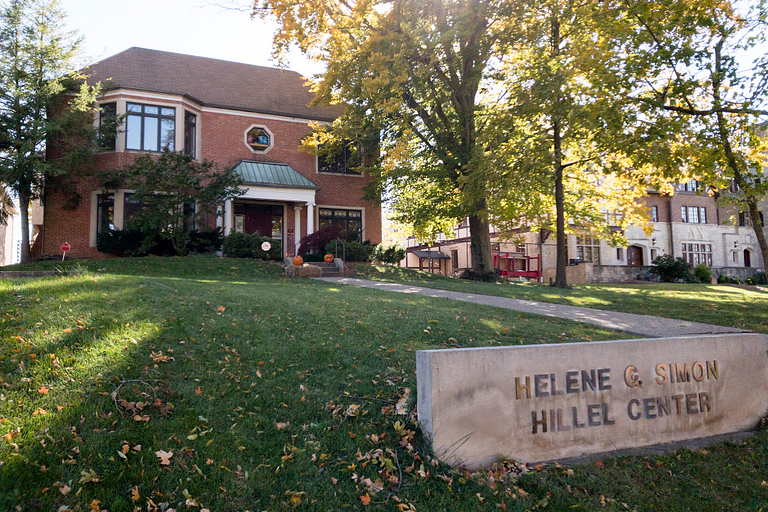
point(272, 175)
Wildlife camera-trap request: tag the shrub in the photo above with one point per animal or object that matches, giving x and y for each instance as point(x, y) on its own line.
point(316, 242)
point(391, 254)
point(354, 251)
point(205, 241)
point(733, 280)
point(488, 277)
point(703, 273)
point(761, 278)
point(722, 279)
point(750, 280)
point(670, 269)
point(133, 242)
point(241, 245)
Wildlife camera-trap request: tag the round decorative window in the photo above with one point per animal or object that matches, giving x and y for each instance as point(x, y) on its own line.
point(259, 139)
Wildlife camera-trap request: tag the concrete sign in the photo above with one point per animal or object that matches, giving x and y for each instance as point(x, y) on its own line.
point(546, 402)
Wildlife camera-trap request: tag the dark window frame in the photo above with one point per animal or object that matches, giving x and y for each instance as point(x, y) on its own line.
point(108, 126)
point(105, 213)
point(190, 134)
point(336, 218)
point(339, 163)
point(144, 117)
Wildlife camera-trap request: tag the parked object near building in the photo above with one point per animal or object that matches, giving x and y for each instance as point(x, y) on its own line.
point(246, 117)
point(688, 224)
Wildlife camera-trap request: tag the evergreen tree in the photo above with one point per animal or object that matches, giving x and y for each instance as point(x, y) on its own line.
point(35, 59)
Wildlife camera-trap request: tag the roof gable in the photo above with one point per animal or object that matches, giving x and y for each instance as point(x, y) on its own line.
point(212, 82)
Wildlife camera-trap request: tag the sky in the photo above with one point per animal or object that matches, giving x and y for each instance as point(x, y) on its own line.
point(194, 27)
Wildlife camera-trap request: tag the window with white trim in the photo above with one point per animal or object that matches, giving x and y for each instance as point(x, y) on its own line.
point(694, 214)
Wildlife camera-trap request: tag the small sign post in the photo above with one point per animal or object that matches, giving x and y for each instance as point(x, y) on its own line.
point(64, 248)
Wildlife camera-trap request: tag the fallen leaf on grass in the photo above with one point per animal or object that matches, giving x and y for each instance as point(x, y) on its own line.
point(88, 476)
point(94, 506)
point(281, 426)
point(198, 391)
point(165, 457)
point(138, 417)
point(295, 497)
point(64, 489)
point(221, 308)
point(43, 390)
point(126, 448)
point(365, 499)
point(135, 496)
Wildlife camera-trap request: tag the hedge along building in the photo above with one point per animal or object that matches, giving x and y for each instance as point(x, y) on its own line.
point(250, 118)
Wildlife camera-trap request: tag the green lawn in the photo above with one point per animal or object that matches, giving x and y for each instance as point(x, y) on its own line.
point(275, 393)
point(733, 306)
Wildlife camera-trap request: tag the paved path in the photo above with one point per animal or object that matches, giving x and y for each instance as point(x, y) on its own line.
point(645, 325)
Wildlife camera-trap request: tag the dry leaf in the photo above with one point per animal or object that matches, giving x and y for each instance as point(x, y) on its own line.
point(94, 506)
point(43, 390)
point(64, 489)
point(165, 457)
point(222, 308)
point(198, 391)
point(135, 494)
point(365, 499)
point(126, 448)
point(281, 426)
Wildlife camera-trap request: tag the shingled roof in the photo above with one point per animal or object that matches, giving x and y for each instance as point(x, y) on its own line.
point(212, 82)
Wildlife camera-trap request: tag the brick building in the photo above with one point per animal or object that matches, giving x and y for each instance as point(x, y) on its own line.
point(247, 117)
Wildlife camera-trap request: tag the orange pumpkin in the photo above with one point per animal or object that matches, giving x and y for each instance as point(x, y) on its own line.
point(298, 261)
point(328, 258)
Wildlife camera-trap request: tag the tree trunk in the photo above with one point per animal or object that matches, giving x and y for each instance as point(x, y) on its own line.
point(561, 280)
point(480, 244)
point(24, 198)
point(755, 214)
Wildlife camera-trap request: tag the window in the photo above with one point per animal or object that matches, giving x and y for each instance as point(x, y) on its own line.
point(620, 254)
point(350, 222)
point(744, 219)
point(655, 214)
point(697, 253)
point(455, 259)
point(588, 248)
point(694, 214)
point(105, 213)
point(520, 248)
point(150, 127)
point(259, 139)
point(190, 133)
point(654, 254)
point(131, 207)
point(108, 126)
point(690, 186)
point(342, 163)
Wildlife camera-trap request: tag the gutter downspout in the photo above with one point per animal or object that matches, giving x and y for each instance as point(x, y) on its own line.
point(669, 222)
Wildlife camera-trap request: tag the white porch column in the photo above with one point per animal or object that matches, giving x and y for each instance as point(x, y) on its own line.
point(310, 218)
point(296, 227)
point(227, 216)
point(220, 217)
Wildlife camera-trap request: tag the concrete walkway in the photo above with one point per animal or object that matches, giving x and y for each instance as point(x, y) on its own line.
point(644, 325)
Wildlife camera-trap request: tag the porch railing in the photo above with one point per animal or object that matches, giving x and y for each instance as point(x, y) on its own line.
point(343, 250)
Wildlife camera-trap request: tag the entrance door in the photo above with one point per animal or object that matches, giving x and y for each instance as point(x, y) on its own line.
point(635, 256)
point(747, 258)
point(261, 219)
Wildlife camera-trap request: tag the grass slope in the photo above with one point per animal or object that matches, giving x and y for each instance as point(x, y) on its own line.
point(277, 394)
point(732, 306)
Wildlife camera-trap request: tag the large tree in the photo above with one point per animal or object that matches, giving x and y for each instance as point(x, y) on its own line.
point(716, 77)
point(35, 59)
point(414, 73)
